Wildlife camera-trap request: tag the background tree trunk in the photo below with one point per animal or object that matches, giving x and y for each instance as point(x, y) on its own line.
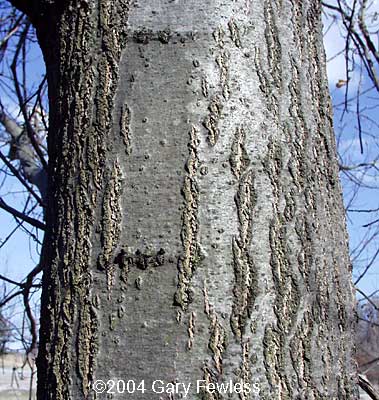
point(195, 221)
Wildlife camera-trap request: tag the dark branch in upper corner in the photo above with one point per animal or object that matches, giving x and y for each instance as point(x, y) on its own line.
point(28, 7)
point(331, 6)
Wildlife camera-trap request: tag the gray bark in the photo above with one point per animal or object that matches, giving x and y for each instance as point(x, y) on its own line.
point(195, 220)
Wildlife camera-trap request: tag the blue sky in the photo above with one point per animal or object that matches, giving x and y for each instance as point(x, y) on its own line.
point(349, 144)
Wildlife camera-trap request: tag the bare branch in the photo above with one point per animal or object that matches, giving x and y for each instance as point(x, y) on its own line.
point(367, 298)
point(367, 364)
point(360, 165)
point(21, 100)
point(366, 385)
point(29, 313)
point(32, 221)
point(21, 179)
point(368, 321)
point(10, 297)
point(34, 173)
point(371, 210)
point(4, 278)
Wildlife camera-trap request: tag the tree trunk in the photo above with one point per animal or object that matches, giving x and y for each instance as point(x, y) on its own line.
point(195, 222)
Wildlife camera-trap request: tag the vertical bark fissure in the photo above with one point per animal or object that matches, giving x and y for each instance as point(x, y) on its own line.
point(287, 293)
point(302, 174)
point(258, 293)
point(218, 100)
point(217, 344)
point(189, 235)
point(111, 222)
point(125, 128)
point(78, 174)
point(340, 304)
point(300, 331)
point(244, 269)
point(64, 323)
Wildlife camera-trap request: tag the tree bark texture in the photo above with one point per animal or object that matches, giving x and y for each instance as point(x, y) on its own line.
point(195, 221)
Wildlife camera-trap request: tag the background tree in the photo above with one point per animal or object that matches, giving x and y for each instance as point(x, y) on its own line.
point(246, 270)
point(23, 155)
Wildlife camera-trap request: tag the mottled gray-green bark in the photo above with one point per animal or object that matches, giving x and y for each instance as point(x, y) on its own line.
point(195, 222)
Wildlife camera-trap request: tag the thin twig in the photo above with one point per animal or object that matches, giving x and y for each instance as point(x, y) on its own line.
point(32, 221)
point(21, 179)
